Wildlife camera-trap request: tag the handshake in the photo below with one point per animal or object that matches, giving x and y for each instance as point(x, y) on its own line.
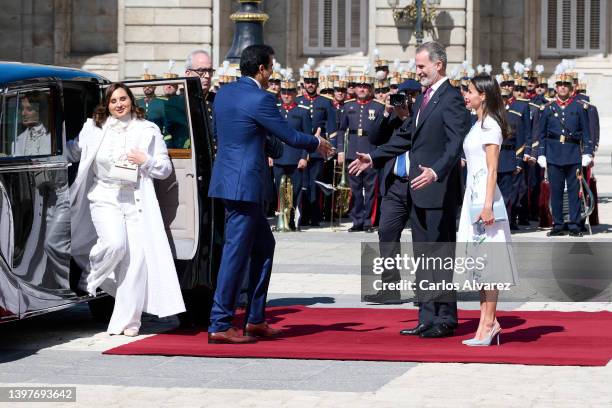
point(325, 149)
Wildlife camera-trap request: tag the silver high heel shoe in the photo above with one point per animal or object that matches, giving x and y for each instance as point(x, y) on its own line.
point(493, 334)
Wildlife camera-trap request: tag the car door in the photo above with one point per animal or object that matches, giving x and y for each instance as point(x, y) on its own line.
point(176, 106)
point(34, 179)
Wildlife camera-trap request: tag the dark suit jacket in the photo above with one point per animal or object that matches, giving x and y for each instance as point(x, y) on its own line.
point(436, 142)
point(243, 115)
point(392, 126)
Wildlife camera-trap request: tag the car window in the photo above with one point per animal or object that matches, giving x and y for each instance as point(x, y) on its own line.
point(27, 123)
point(166, 106)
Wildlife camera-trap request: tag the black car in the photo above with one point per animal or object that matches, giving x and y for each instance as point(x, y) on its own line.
point(43, 108)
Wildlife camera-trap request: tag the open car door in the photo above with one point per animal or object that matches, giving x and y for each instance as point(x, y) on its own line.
point(192, 220)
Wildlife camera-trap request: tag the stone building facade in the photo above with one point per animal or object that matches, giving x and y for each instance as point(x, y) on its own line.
point(116, 37)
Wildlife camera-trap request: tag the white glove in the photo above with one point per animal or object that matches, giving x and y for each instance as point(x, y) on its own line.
point(542, 161)
point(586, 160)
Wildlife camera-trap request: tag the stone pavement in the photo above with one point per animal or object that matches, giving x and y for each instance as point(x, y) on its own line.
point(317, 268)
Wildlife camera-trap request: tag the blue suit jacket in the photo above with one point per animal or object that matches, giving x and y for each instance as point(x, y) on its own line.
point(243, 114)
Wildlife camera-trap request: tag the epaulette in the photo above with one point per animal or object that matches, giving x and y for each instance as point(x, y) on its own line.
point(585, 104)
point(327, 97)
point(382, 103)
point(271, 91)
point(520, 149)
point(304, 107)
point(333, 135)
point(535, 105)
point(515, 112)
point(522, 99)
point(350, 100)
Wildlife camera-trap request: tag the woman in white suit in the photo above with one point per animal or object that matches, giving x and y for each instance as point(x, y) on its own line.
point(118, 235)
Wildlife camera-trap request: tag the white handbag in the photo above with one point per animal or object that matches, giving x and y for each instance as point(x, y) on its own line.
point(499, 211)
point(124, 170)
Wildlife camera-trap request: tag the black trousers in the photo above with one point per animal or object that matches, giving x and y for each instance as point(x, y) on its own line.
point(364, 194)
point(433, 236)
point(310, 201)
point(559, 176)
point(394, 214)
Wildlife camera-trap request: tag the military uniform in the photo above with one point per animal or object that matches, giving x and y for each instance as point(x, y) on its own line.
point(323, 115)
point(299, 119)
point(154, 111)
point(511, 152)
point(564, 137)
point(177, 127)
point(360, 124)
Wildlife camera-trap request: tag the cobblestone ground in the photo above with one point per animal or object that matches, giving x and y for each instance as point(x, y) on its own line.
point(318, 268)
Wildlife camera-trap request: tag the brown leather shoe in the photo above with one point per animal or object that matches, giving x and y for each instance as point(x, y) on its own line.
point(230, 336)
point(260, 330)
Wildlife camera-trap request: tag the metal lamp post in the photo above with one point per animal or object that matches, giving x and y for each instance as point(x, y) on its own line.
point(249, 21)
point(418, 22)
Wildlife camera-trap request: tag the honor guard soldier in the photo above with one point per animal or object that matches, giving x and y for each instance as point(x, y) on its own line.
point(293, 161)
point(323, 116)
point(340, 87)
point(152, 105)
point(274, 83)
point(381, 88)
point(177, 125)
point(531, 77)
point(512, 149)
point(361, 121)
point(381, 66)
point(350, 86)
point(565, 145)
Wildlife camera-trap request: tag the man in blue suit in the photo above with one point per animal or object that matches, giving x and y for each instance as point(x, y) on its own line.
point(244, 113)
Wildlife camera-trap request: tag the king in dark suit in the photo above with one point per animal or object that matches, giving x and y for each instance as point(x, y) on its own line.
point(435, 140)
point(244, 113)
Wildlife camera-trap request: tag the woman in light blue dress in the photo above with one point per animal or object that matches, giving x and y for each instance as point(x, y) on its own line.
point(484, 231)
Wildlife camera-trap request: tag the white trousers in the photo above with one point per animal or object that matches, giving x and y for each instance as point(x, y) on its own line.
point(117, 259)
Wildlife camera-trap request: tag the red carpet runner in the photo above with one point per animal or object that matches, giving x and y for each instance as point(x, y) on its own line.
point(542, 338)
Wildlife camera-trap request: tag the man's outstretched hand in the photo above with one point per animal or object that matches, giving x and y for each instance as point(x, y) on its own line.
point(360, 164)
point(325, 148)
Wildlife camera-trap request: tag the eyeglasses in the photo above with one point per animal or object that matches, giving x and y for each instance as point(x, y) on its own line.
point(203, 72)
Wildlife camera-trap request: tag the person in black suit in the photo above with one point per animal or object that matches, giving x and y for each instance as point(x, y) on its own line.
point(438, 128)
point(395, 190)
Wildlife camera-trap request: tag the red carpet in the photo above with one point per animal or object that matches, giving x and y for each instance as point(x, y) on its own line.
point(542, 338)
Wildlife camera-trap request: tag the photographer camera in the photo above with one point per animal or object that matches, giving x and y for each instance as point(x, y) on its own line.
point(396, 204)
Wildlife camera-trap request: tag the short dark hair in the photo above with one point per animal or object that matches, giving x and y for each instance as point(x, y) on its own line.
point(253, 56)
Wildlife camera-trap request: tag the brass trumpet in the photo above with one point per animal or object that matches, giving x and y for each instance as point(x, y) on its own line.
point(285, 204)
point(341, 198)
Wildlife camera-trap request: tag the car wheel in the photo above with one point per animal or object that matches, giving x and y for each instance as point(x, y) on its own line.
point(102, 309)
